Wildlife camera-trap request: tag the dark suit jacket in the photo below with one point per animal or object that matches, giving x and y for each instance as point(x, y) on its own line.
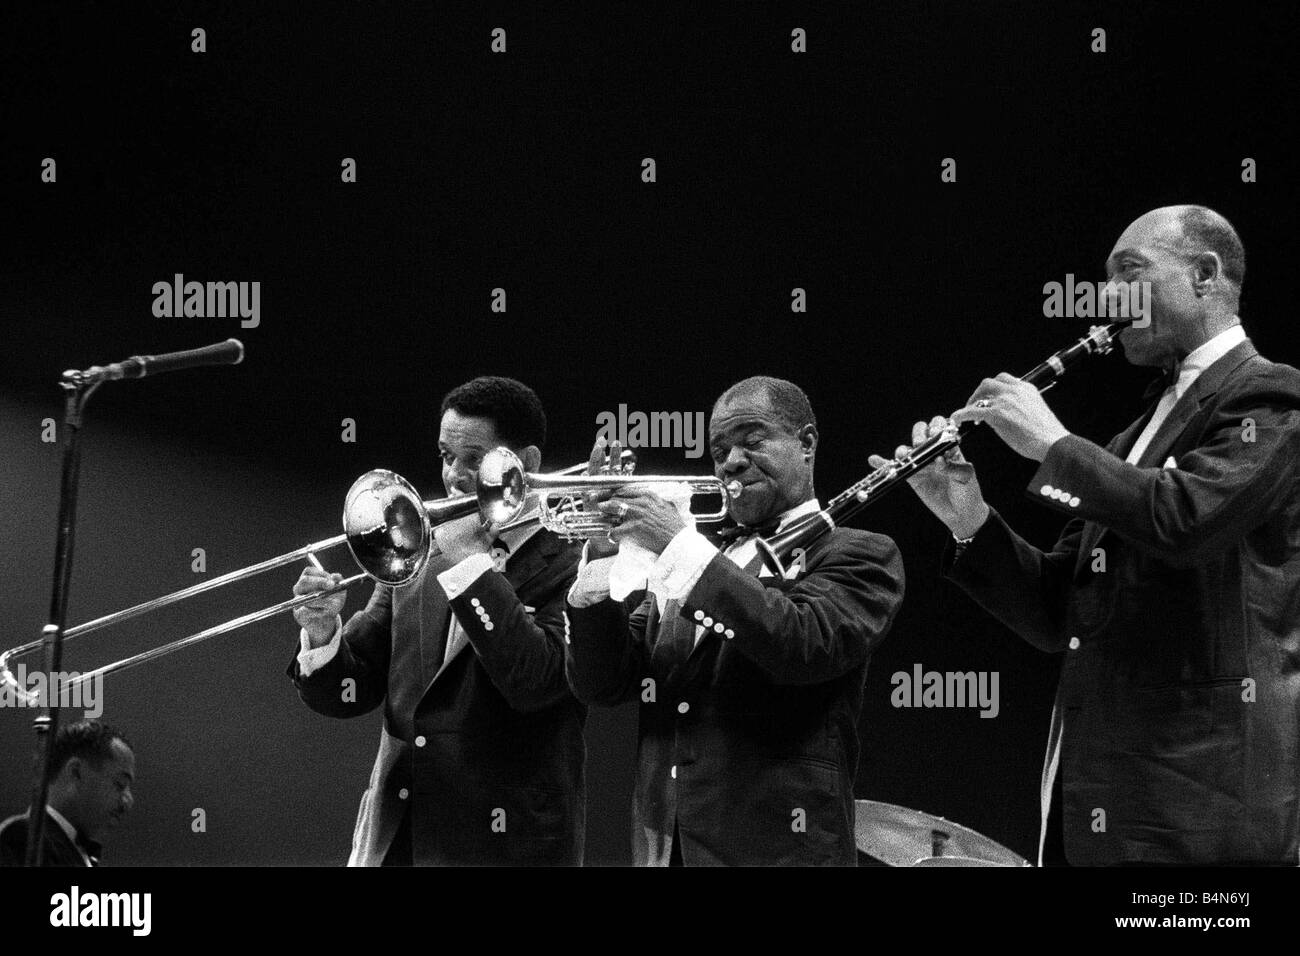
point(59, 850)
point(748, 743)
point(1180, 689)
point(485, 752)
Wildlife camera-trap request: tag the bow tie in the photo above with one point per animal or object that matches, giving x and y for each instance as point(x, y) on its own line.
point(500, 554)
point(1168, 378)
point(728, 535)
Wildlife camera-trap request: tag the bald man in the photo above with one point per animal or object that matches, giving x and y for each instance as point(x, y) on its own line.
point(1172, 590)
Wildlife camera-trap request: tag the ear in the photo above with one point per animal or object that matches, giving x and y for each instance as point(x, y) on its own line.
point(1207, 267)
point(531, 457)
point(73, 769)
point(808, 439)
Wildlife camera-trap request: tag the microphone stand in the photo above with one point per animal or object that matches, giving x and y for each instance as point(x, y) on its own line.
point(77, 389)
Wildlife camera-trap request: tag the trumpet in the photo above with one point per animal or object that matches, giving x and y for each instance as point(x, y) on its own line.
point(503, 486)
point(387, 528)
point(777, 549)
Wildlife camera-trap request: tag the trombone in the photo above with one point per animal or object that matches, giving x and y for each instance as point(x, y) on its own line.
point(386, 526)
point(388, 529)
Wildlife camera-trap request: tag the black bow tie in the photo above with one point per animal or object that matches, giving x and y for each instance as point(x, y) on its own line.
point(728, 535)
point(1168, 377)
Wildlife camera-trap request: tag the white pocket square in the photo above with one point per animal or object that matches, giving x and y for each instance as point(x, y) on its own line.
point(529, 610)
point(1170, 463)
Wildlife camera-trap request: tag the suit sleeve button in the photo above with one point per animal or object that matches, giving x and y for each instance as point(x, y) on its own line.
point(1074, 643)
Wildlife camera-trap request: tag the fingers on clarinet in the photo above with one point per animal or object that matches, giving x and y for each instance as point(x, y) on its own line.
point(876, 461)
point(938, 424)
point(597, 457)
point(902, 450)
point(918, 433)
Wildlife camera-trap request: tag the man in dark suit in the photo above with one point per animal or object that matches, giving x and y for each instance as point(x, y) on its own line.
point(1173, 589)
point(750, 685)
point(92, 770)
point(481, 754)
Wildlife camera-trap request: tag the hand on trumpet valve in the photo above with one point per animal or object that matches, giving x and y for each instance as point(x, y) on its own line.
point(1017, 412)
point(947, 486)
point(642, 517)
point(317, 618)
point(605, 459)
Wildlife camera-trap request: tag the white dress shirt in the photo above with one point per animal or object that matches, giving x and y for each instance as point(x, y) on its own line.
point(679, 566)
point(1197, 361)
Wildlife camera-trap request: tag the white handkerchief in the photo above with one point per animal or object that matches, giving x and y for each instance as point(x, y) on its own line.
point(1170, 463)
point(632, 564)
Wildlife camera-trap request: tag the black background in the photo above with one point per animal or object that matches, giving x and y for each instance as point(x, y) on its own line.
point(522, 171)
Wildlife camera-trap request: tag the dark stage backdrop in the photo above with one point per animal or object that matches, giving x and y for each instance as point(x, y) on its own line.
point(522, 171)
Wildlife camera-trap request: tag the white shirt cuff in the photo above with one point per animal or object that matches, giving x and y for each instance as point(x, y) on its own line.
point(456, 579)
point(591, 586)
point(314, 658)
point(681, 565)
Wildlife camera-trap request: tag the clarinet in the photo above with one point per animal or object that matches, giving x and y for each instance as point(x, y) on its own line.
point(777, 549)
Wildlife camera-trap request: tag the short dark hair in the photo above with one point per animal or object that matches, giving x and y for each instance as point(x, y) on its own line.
point(90, 740)
point(786, 398)
point(511, 405)
point(1204, 230)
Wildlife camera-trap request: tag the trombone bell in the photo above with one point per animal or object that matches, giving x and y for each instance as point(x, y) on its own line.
point(387, 527)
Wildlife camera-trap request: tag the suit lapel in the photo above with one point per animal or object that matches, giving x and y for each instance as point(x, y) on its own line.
point(1093, 532)
point(1204, 388)
point(1206, 385)
point(434, 615)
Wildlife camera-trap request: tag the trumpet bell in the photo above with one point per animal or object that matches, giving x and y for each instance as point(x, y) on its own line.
point(501, 487)
point(387, 527)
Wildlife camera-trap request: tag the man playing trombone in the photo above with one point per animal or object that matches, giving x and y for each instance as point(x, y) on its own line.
point(750, 687)
point(481, 754)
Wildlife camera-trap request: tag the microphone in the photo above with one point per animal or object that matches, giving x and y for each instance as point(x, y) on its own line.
point(229, 352)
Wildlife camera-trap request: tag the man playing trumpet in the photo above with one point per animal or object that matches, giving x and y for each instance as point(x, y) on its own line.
point(750, 686)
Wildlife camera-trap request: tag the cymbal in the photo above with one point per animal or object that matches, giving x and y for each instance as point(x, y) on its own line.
point(898, 836)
